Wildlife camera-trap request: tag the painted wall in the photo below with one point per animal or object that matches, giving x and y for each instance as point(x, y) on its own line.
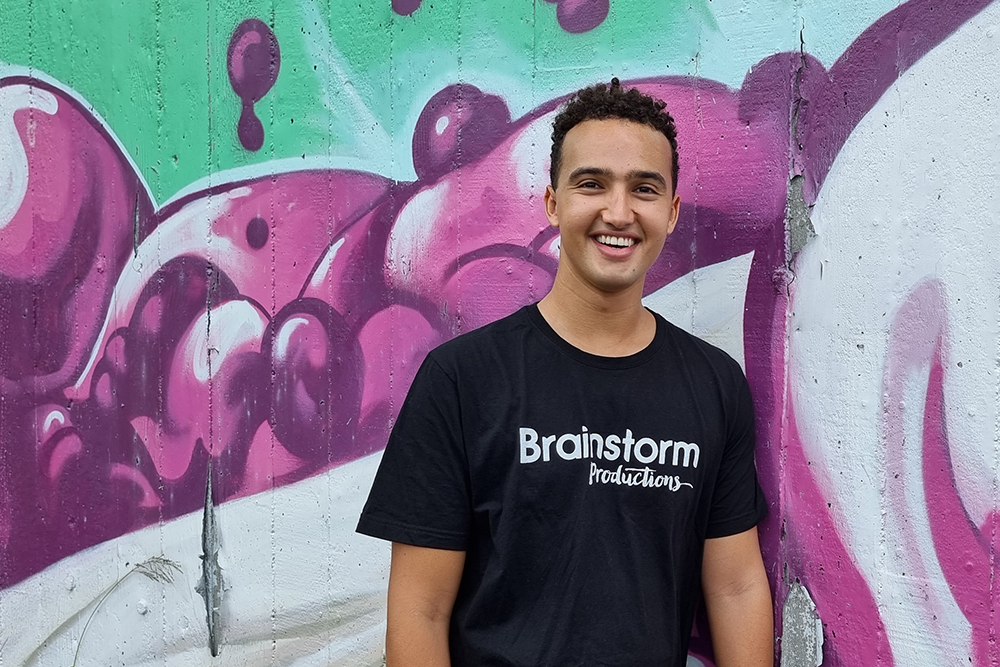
point(230, 231)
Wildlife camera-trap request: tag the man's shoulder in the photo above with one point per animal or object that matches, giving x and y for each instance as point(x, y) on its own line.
point(695, 350)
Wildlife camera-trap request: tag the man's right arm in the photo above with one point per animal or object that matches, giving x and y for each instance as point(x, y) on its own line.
point(423, 584)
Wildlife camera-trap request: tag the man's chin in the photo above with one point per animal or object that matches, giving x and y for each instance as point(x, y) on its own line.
point(605, 280)
point(612, 286)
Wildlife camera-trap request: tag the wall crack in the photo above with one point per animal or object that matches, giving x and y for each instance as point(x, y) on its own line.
point(210, 586)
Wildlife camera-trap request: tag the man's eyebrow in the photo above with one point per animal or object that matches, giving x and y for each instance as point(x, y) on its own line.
point(634, 175)
point(647, 176)
point(590, 171)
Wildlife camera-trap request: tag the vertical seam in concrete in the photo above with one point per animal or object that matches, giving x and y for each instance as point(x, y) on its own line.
point(995, 518)
point(885, 647)
point(458, 173)
point(534, 53)
point(136, 232)
point(210, 567)
point(697, 175)
point(274, 297)
point(799, 229)
point(784, 578)
point(135, 226)
point(331, 230)
point(797, 92)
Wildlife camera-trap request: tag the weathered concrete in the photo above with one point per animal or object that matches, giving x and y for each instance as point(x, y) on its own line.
point(802, 636)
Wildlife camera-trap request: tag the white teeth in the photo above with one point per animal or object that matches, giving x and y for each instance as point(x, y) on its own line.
point(616, 241)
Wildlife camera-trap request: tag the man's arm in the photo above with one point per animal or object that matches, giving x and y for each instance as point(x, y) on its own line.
point(738, 600)
point(422, 587)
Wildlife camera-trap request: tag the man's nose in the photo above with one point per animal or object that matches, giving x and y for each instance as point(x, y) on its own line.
point(618, 211)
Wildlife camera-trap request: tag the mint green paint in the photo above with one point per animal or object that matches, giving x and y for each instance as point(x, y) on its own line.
point(828, 28)
point(354, 75)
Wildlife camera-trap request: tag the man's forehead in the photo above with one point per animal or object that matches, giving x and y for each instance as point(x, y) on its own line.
point(617, 145)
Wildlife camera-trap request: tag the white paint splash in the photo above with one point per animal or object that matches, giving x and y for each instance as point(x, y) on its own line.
point(529, 156)
point(13, 158)
point(414, 227)
point(708, 302)
point(284, 336)
point(442, 124)
point(325, 264)
point(57, 417)
point(220, 332)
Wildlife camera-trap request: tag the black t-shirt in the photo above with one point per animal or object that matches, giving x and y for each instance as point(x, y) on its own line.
point(581, 488)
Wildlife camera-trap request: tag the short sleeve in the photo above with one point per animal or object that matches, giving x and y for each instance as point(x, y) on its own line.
point(738, 502)
point(420, 495)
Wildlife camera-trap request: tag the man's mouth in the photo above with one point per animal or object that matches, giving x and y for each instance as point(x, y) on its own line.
point(616, 241)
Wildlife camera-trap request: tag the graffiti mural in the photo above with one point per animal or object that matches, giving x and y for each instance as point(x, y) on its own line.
point(196, 387)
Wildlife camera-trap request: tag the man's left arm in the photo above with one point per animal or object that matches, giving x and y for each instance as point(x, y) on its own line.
point(738, 600)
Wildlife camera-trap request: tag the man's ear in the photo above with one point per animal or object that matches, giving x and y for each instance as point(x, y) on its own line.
point(550, 206)
point(675, 210)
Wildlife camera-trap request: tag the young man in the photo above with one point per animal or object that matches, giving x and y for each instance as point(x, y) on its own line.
point(558, 480)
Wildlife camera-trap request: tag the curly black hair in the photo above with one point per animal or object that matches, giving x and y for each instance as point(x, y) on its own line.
point(600, 102)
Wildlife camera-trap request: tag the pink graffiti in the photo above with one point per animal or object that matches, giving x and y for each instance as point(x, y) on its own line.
point(919, 344)
point(824, 565)
point(274, 324)
point(917, 328)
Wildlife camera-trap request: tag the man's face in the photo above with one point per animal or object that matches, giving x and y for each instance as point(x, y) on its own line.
point(613, 204)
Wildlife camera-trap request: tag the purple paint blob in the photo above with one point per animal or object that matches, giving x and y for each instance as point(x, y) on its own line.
point(459, 125)
point(253, 60)
point(249, 129)
point(257, 233)
point(318, 380)
point(578, 16)
point(405, 7)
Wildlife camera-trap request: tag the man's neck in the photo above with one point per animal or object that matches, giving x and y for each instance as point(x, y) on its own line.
point(607, 325)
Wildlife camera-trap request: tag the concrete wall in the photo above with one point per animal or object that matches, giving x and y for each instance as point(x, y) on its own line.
point(230, 231)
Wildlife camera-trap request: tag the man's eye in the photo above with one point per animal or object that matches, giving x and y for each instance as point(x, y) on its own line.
point(645, 190)
point(590, 184)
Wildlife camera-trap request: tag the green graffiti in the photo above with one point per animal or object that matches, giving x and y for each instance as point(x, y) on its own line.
point(354, 76)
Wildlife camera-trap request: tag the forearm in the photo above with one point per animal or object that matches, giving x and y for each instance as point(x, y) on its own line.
point(412, 639)
point(742, 626)
point(422, 588)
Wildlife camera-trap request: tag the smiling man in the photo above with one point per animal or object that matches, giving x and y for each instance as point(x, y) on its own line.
point(560, 481)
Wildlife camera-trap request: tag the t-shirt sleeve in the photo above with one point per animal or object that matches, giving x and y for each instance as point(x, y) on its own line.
point(420, 495)
point(738, 502)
